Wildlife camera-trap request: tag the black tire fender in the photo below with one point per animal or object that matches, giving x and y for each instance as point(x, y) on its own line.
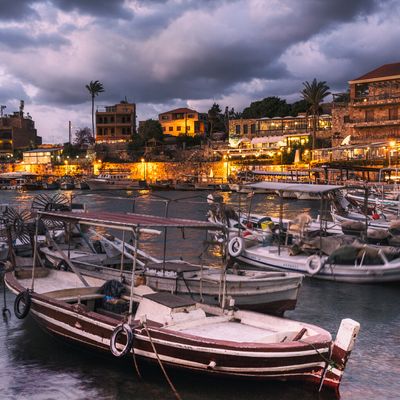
point(25, 297)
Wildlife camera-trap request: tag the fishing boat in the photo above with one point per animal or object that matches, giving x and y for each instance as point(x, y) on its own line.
point(273, 292)
point(176, 332)
point(361, 263)
point(115, 180)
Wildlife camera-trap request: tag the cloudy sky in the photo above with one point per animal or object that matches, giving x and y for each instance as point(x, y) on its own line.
point(172, 53)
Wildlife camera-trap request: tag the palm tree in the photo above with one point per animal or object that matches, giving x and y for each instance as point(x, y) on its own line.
point(314, 94)
point(94, 88)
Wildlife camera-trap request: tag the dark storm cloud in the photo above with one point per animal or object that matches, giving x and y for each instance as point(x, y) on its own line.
point(169, 52)
point(99, 8)
point(17, 39)
point(11, 91)
point(16, 10)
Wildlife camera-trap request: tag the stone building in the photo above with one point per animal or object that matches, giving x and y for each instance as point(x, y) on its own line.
point(116, 124)
point(183, 121)
point(370, 112)
point(276, 131)
point(17, 132)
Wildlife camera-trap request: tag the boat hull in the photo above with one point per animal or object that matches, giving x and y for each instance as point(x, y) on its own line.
point(282, 361)
point(270, 259)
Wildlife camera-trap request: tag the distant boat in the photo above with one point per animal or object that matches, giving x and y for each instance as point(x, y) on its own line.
point(51, 185)
point(67, 186)
point(81, 185)
point(115, 180)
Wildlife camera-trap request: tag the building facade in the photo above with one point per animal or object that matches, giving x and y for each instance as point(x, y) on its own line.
point(116, 124)
point(370, 112)
point(183, 121)
point(17, 132)
point(41, 156)
point(277, 131)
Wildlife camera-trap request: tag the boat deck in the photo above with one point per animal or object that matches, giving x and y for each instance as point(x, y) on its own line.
point(57, 280)
point(229, 330)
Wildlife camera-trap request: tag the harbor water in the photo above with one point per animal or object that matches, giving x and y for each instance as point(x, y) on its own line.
point(35, 365)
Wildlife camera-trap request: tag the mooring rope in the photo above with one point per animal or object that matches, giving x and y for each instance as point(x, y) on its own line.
point(160, 363)
point(5, 311)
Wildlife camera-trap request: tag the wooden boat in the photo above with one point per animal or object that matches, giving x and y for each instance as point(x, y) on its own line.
point(161, 185)
point(180, 333)
point(264, 291)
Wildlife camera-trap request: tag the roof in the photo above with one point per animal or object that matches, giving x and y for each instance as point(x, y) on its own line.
point(281, 173)
point(294, 187)
point(384, 71)
point(44, 150)
point(124, 221)
point(179, 110)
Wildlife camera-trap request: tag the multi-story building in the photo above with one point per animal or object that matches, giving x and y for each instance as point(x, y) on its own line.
point(370, 112)
point(276, 131)
point(183, 121)
point(17, 132)
point(116, 124)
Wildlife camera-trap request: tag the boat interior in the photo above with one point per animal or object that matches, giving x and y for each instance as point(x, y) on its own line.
point(166, 310)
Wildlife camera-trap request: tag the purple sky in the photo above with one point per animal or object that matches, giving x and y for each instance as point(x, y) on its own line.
point(166, 54)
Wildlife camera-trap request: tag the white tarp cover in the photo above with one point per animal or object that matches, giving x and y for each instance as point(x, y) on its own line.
point(294, 187)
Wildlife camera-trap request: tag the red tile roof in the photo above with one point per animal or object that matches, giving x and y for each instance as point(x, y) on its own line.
point(180, 110)
point(381, 72)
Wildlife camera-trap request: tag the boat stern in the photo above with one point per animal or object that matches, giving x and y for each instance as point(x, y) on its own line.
point(340, 353)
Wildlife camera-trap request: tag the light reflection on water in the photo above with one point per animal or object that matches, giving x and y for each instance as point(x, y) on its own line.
point(35, 366)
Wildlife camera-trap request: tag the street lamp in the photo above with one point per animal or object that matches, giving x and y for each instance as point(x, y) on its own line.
point(226, 158)
point(143, 168)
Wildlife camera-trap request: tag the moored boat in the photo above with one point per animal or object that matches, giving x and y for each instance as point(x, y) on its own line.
point(179, 332)
point(115, 180)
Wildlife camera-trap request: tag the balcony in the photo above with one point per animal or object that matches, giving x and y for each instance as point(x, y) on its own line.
point(362, 123)
point(382, 99)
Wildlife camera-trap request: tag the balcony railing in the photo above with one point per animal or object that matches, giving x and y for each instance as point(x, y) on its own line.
point(374, 122)
point(376, 100)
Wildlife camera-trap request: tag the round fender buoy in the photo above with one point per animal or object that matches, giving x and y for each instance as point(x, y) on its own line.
point(313, 264)
point(24, 299)
point(121, 329)
point(236, 246)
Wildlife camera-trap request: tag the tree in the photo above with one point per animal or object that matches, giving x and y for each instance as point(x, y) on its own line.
point(215, 119)
point(314, 94)
point(150, 129)
point(94, 88)
point(83, 137)
point(268, 107)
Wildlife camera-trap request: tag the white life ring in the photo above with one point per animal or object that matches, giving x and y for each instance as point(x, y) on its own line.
point(235, 246)
point(313, 264)
point(121, 329)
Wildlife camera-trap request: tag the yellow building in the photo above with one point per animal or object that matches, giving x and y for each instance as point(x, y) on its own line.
point(183, 121)
point(115, 124)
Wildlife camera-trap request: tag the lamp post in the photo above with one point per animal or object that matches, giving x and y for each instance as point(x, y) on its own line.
point(392, 145)
point(143, 168)
point(226, 158)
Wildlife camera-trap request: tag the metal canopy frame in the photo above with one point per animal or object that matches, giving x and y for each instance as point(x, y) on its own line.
point(125, 221)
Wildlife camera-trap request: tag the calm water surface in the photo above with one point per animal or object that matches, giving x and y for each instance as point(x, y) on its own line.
point(34, 365)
